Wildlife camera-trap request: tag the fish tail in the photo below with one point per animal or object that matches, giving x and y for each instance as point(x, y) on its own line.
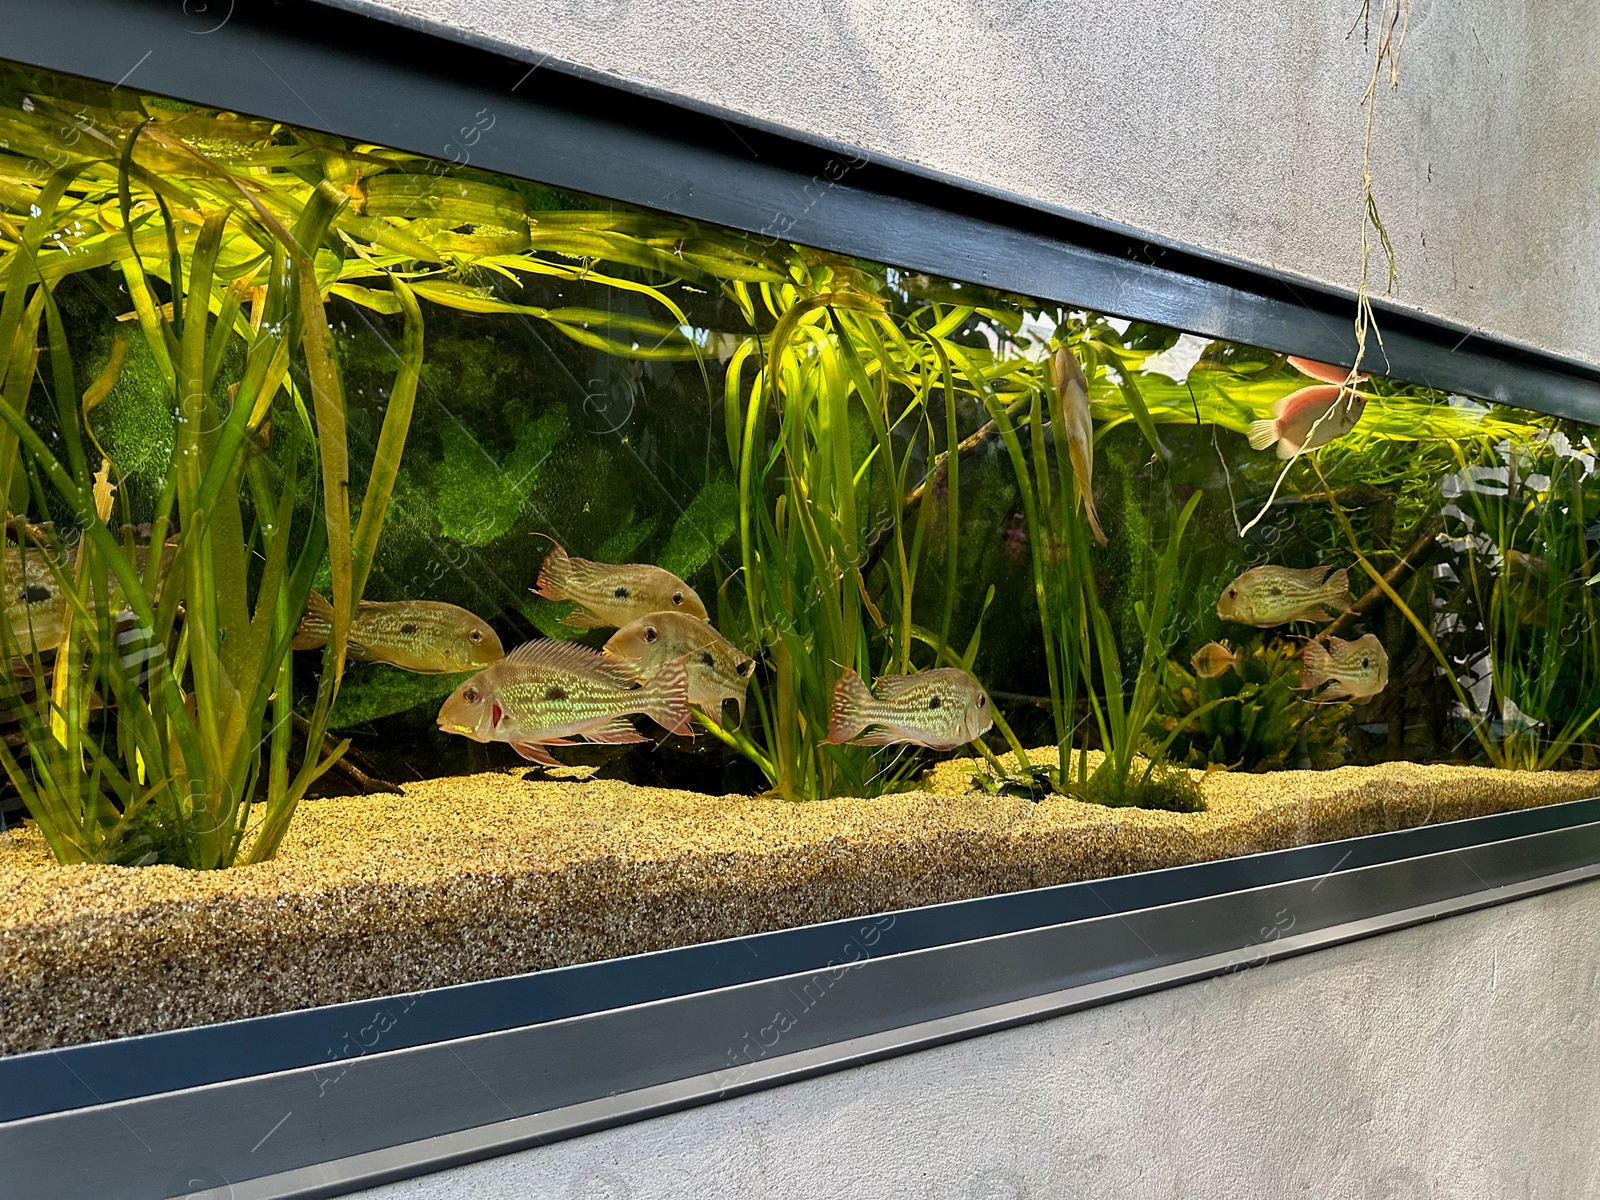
point(665, 699)
point(1263, 433)
point(316, 627)
point(1093, 518)
point(555, 573)
point(1315, 663)
point(1337, 587)
point(851, 711)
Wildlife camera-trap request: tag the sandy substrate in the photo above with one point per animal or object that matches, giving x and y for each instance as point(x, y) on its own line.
point(491, 875)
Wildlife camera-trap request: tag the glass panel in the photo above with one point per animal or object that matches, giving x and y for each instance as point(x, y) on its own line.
point(563, 580)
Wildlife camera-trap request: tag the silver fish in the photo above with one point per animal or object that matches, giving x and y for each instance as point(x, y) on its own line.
point(1273, 595)
point(940, 709)
point(547, 692)
point(612, 594)
point(1333, 669)
point(426, 636)
point(1073, 387)
point(718, 670)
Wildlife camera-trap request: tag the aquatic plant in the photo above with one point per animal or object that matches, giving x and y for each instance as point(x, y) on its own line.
point(821, 439)
point(189, 758)
point(1530, 567)
point(1250, 717)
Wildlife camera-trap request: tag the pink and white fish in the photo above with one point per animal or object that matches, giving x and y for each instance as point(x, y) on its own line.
point(1325, 372)
point(1308, 418)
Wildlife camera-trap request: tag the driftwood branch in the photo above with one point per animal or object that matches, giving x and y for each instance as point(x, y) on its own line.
point(1417, 555)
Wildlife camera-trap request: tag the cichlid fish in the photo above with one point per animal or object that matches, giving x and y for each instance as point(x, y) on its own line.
point(718, 670)
point(1073, 387)
point(1308, 418)
point(940, 709)
point(1324, 372)
point(1213, 659)
point(547, 692)
point(36, 606)
point(1355, 671)
point(425, 636)
point(613, 595)
point(1272, 595)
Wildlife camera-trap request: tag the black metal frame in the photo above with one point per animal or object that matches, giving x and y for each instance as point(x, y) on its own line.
point(362, 77)
point(461, 1073)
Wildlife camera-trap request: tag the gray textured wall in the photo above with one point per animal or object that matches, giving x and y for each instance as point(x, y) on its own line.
point(1454, 1061)
point(1227, 124)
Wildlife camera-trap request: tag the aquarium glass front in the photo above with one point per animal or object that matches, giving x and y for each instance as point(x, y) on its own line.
point(393, 545)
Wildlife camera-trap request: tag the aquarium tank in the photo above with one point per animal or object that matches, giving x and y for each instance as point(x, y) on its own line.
point(351, 495)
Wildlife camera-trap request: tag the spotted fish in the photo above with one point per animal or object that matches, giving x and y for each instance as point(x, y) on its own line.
point(611, 595)
point(940, 709)
point(1272, 595)
point(36, 606)
point(426, 636)
point(718, 670)
point(547, 692)
point(1333, 669)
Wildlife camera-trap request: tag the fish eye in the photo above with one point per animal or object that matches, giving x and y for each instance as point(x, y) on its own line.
point(650, 633)
point(677, 597)
point(471, 695)
point(476, 635)
point(982, 700)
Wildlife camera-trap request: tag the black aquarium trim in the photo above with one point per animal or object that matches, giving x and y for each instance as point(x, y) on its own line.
point(508, 110)
point(356, 1121)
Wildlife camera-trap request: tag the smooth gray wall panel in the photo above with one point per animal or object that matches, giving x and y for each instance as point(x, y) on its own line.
point(1226, 124)
point(1453, 1061)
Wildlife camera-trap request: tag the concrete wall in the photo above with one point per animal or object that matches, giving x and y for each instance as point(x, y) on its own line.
point(1454, 1061)
point(1226, 124)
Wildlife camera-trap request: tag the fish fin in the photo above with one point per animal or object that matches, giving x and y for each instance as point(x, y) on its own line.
point(889, 688)
point(534, 752)
point(584, 620)
point(553, 652)
point(1089, 513)
point(316, 626)
point(616, 732)
point(882, 735)
point(851, 709)
point(1263, 433)
point(665, 699)
point(1314, 663)
point(555, 573)
point(1337, 585)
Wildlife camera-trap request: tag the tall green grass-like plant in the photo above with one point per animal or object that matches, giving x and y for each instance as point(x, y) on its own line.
point(821, 439)
point(1531, 568)
point(163, 731)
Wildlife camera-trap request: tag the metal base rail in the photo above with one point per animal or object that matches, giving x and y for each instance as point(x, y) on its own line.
point(332, 1128)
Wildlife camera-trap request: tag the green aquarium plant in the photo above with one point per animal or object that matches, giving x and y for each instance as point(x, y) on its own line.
point(1533, 573)
point(1251, 717)
point(162, 730)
